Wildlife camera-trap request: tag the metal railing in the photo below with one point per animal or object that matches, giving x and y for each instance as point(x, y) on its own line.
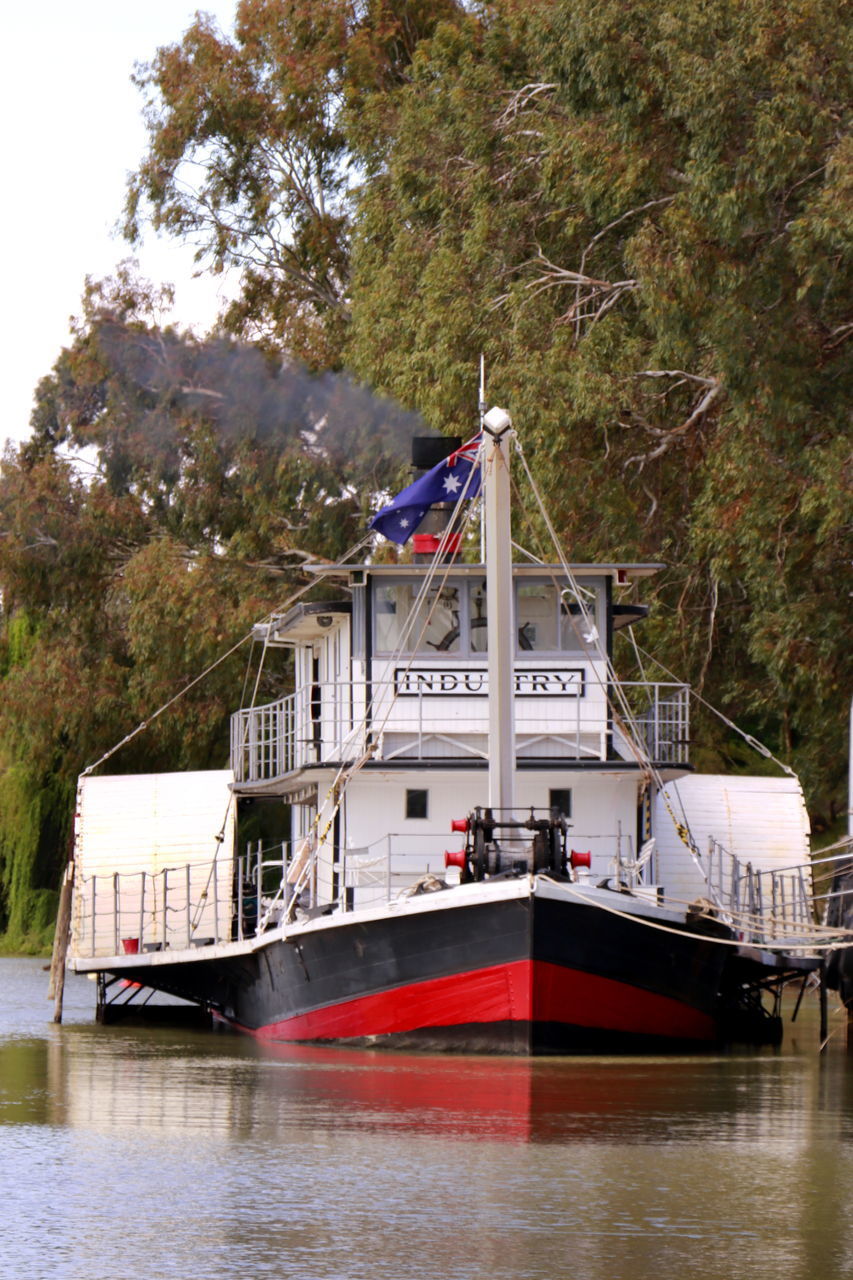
point(225, 900)
point(771, 905)
point(390, 867)
point(400, 864)
point(662, 715)
point(332, 722)
point(232, 899)
point(833, 874)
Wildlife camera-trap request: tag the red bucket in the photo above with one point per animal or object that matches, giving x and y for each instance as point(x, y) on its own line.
point(130, 946)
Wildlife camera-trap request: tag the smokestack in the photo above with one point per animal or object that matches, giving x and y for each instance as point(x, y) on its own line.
point(428, 452)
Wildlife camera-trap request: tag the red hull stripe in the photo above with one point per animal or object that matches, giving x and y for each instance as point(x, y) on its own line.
point(586, 1000)
point(523, 991)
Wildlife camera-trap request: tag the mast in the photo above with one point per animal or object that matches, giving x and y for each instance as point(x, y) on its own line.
point(497, 436)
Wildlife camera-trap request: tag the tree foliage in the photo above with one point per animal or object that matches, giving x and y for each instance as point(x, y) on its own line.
point(641, 215)
point(169, 496)
point(249, 155)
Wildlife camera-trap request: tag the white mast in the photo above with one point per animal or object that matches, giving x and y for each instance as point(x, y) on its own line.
point(497, 435)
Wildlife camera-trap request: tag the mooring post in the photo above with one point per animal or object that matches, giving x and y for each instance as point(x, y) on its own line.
point(60, 943)
point(101, 1001)
point(824, 1016)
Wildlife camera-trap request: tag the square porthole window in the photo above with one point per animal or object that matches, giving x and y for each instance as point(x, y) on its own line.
point(561, 800)
point(416, 804)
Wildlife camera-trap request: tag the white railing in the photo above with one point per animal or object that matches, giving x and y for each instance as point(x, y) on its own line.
point(204, 903)
point(331, 723)
point(232, 899)
point(399, 864)
point(392, 866)
point(662, 715)
point(771, 905)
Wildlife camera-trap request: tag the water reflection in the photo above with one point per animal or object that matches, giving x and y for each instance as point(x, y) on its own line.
point(159, 1081)
point(178, 1156)
point(543, 1101)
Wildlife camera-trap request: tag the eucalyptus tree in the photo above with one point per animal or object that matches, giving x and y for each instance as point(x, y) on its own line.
point(641, 215)
point(170, 495)
point(249, 158)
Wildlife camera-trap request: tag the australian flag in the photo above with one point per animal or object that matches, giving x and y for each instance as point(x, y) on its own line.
point(444, 483)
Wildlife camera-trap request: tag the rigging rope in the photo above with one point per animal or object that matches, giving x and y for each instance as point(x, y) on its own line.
point(165, 707)
point(347, 771)
point(267, 621)
point(840, 938)
point(144, 724)
point(623, 716)
point(220, 836)
point(747, 737)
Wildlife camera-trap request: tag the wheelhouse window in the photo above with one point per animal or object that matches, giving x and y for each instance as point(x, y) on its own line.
point(402, 625)
point(548, 620)
point(451, 618)
point(575, 633)
point(537, 610)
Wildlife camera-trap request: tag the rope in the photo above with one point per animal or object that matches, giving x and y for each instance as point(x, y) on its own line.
point(348, 771)
point(747, 737)
point(841, 938)
point(144, 724)
point(358, 546)
point(645, 856)
point(220, 836)
point(627, 726)
point(165, 707)
point(591, 638)
point(845, 843)
point(750, 921)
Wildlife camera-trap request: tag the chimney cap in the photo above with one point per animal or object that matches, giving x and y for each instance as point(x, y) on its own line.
point(428, 451)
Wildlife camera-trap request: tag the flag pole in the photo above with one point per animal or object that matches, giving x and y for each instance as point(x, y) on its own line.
point(497, 437)
point(482, 411)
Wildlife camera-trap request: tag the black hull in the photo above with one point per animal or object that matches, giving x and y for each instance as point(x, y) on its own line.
point(525, 974)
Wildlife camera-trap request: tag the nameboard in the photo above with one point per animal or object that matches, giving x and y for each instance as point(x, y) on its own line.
point(449, 682)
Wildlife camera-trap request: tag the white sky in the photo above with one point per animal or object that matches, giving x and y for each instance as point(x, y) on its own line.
point(72, 131)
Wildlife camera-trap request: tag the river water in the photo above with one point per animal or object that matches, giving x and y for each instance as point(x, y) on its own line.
point(171, 1155)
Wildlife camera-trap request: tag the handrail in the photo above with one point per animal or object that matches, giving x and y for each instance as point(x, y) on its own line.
point(237, 899)
point(175, 908)
point(764, 904)
point(331, 722)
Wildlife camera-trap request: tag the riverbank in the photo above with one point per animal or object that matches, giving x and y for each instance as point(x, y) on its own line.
point(16, 951)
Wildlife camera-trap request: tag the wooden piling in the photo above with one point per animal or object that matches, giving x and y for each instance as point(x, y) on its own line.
point(56, 986)
point(824, 1010)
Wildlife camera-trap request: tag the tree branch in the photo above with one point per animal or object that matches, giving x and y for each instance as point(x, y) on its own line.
point(668, 437)
point(521, 100)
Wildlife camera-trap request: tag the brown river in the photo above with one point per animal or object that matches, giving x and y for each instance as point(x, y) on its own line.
point(169, 1155)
